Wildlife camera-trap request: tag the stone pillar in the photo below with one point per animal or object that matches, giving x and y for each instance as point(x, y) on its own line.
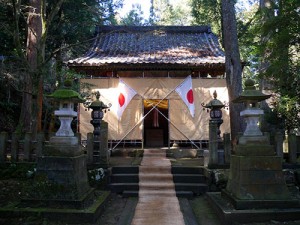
point(27, 146)
point(292, 143)
point(90, 148)
point(15, 147)
point(3, 146)
point(279, 144)
point(213, 144)
point(206, 157)
point(39, 145)
point(101, 156)
point(227, 147)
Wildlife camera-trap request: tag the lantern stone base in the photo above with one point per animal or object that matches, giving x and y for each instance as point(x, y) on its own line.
point(67, 176)
point(62, 146)
point(256, 179)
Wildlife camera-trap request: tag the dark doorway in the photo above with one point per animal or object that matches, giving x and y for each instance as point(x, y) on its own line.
point(156, 126)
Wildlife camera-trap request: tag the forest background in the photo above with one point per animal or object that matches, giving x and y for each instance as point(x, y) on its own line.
point(37, 38)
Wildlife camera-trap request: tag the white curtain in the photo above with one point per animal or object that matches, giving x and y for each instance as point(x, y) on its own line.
point(157, 88)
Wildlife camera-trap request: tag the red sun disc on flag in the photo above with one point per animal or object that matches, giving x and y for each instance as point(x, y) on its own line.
point(190, 96)
point(121, 99)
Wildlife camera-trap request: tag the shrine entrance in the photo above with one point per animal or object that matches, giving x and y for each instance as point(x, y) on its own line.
point(156, 124)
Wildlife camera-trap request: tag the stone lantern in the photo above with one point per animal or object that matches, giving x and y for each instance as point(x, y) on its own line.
point(256, 179)
point(100, 133)
point(99, 108)
point(215, 106)
point(251, 97)
point(63, 162)
point(66, 97)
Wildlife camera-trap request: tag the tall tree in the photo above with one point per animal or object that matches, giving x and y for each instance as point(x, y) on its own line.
point(134, 17)
point(208, 12)
point(38, 23)
point(233, 65)
point(279, 51)
point(51, 27)
point(165, 12)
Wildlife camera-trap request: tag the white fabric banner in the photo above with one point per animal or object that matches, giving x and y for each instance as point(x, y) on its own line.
point(185, 91)
point(195, 128)
point(125, 95)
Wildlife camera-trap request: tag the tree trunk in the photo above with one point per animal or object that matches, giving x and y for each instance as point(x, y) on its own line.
point(33, 51)
point(27, 120)
point(233, 65)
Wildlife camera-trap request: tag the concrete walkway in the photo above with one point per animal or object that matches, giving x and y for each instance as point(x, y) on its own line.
point(157, 203)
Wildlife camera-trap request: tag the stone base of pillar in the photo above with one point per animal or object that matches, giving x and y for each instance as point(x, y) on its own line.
point(100, 151)
point(256, 179)
point(67, 176)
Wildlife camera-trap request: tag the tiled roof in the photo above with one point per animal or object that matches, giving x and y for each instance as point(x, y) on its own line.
point(153, 45)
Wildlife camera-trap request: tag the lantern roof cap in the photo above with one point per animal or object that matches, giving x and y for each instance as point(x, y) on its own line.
point(215, 103)
point(250, 93)
point(66, 93)
point(97, 103)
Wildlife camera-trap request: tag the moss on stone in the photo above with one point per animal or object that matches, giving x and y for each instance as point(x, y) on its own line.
point(65, 93)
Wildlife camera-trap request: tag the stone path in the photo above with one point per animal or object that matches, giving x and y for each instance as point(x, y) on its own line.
point(157, 202)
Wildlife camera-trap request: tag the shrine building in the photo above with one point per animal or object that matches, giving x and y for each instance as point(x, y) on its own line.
point(153, 61)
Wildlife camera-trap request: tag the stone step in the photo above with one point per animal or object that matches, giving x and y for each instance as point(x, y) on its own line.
point(174, 169)
point(125, 169)
point(177, 178)
point(156, 154)
point(180, 194)
point(187, 170)
point(197, 189)
point(124, 178)
point(189, 178)
point(148, 185)
point(155, 170)
point(121, 187)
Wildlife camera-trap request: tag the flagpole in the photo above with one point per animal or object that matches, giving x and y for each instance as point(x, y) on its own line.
point(147, 112)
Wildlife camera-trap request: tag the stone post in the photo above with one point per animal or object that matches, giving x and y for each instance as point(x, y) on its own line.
point(39, 145)
point(103, 153)
point(3, 146)
point(279, 144)
point(213, 144)
point(227, 147)
point(90, 148)
point(27, 146)
point(78, 135)
point(298, 145)
point(15, 147)
point(292, 148)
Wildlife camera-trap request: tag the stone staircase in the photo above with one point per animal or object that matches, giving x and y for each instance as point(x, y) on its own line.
point(189, 181)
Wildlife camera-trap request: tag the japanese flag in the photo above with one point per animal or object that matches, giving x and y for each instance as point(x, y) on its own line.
point(185, 90)
point(125, 95)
